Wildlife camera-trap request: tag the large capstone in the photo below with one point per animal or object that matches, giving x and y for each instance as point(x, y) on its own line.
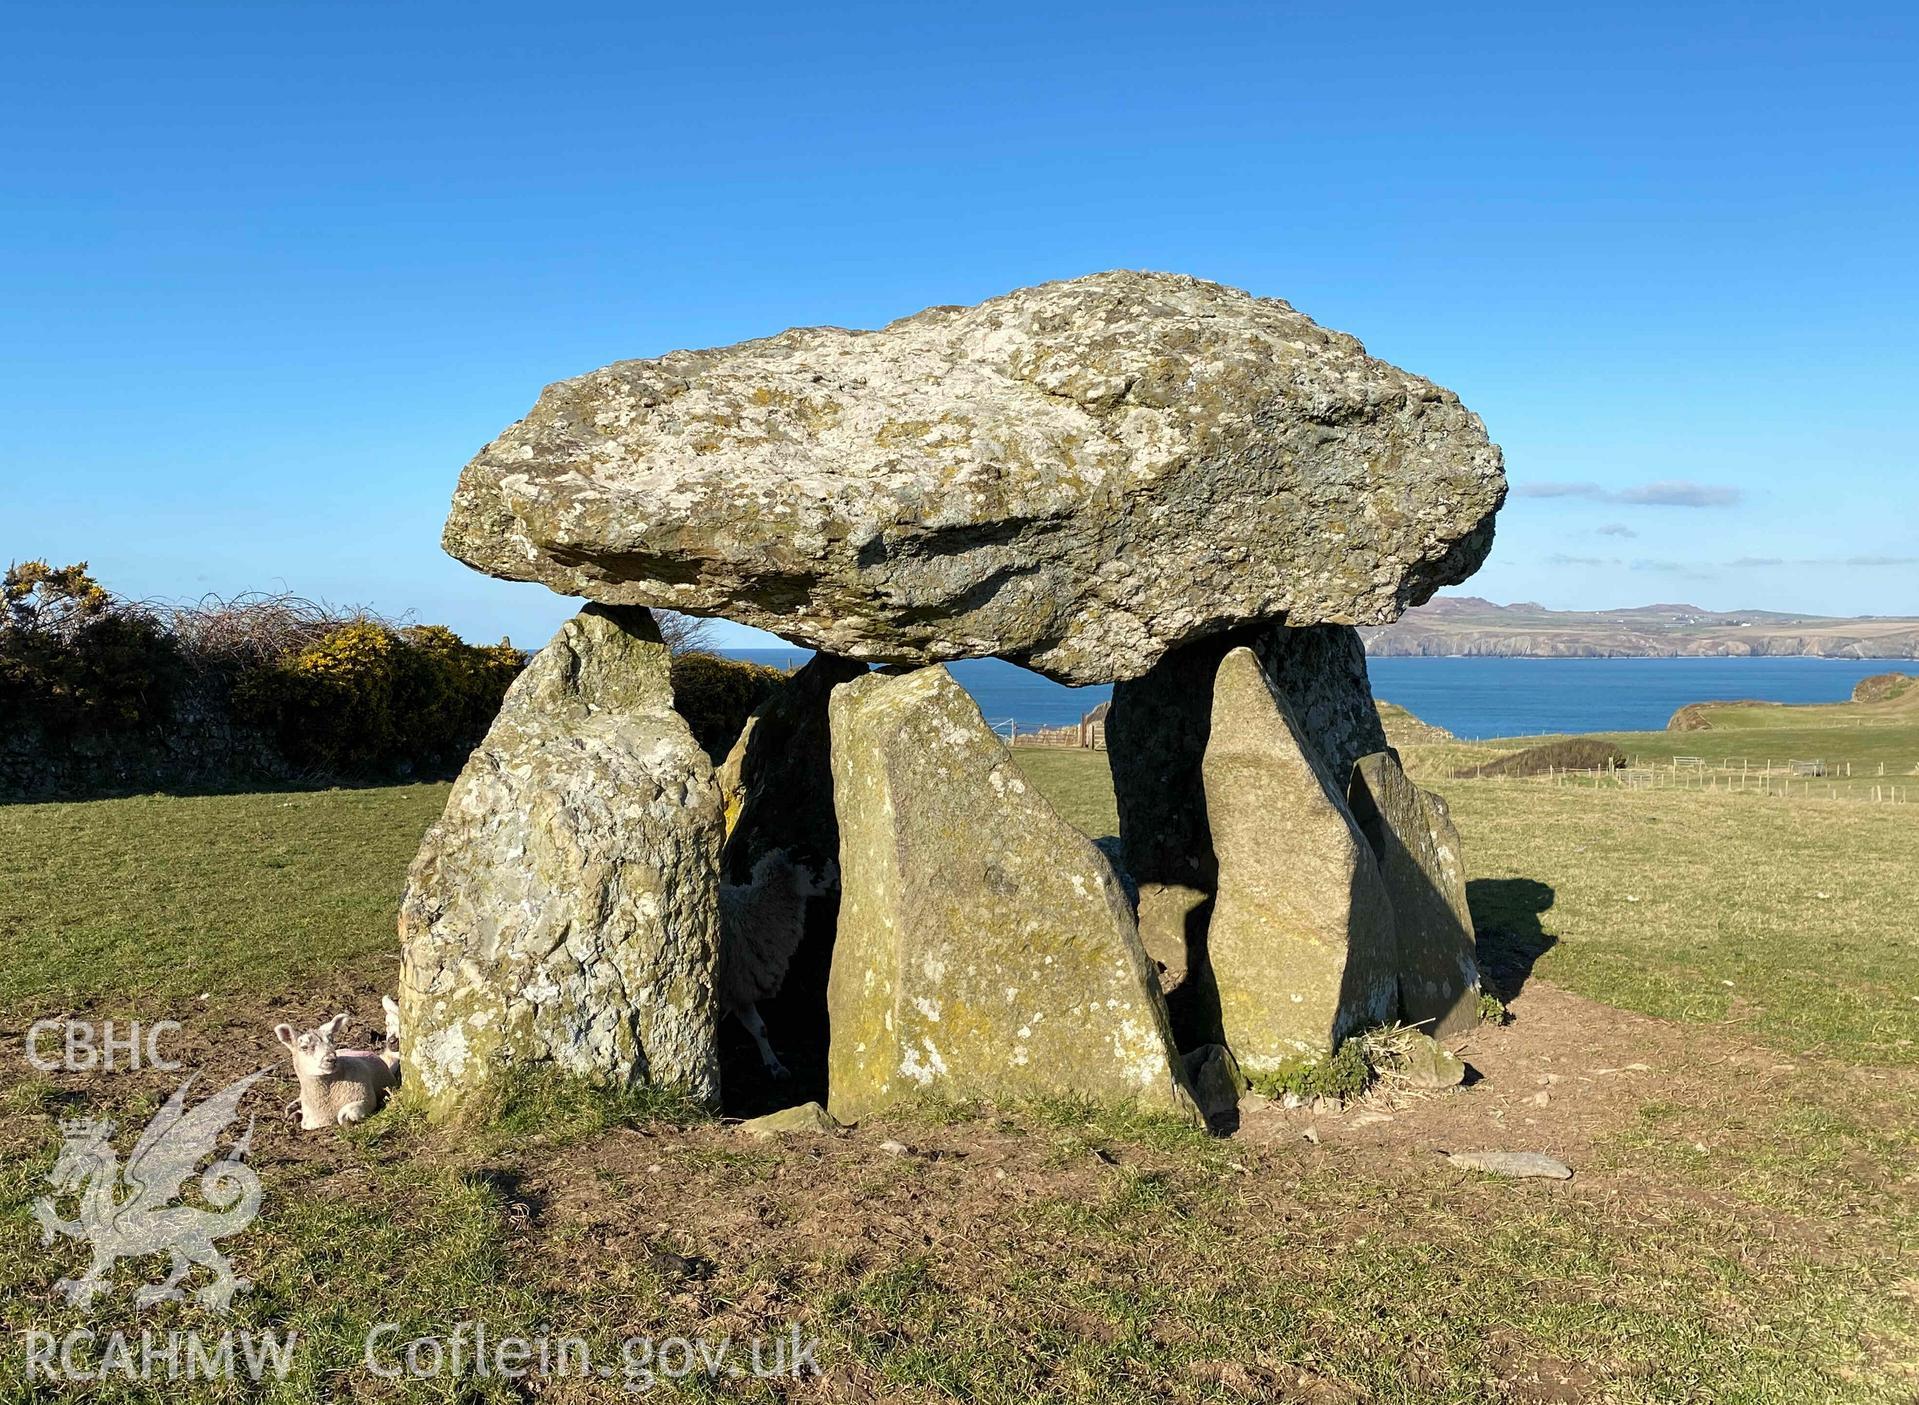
point(985, 948)
point(563, 912)
point(1301, 939)
point(1413, 838)
point(1078, 476)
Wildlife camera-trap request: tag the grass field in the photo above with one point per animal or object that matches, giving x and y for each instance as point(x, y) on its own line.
point(1867, 749)
point(171, 897)
point(1715, 1021)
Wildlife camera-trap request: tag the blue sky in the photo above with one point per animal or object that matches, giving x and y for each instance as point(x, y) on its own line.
point(270, 273)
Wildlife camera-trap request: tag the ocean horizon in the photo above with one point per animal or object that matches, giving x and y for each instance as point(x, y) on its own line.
point(1474, 698)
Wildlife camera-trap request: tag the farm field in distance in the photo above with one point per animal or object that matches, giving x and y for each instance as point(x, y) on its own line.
point(1713, 1021)
point(1859, 750)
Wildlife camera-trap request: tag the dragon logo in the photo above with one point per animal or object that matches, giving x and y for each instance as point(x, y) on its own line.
point(131, 1214)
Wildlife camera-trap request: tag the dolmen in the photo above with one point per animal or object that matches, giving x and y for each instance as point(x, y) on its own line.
point(1140, 479)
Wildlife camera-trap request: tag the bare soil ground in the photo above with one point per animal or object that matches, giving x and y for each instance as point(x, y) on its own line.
point(1053, 1254)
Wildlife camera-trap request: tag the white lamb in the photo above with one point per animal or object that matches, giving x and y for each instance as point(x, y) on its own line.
point(339, 1087)
point(761, 923)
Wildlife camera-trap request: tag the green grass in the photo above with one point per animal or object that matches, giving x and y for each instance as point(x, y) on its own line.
point(1078, 783)
point(1780, 740)
point(415, 1244)
point(1793, 920)
point(561, 1109)
point(172, 897)
point(1723, 1244)
point(1156, 1278)
point(1675, 904)
point(1862, 744)
point(1854, 757)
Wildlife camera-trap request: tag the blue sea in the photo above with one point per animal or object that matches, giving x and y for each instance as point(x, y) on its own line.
point(1475, 697)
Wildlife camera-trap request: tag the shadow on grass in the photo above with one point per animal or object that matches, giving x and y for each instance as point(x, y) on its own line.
point(1506, 913)
point(507, 1186)
point(67, 794)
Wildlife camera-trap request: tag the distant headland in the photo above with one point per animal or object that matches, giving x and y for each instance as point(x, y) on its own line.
point(1455, 625)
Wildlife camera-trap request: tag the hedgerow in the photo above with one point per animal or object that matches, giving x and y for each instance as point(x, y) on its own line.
point(716, 695)
point(75, 660)
point(336, 694)
point(310, 691)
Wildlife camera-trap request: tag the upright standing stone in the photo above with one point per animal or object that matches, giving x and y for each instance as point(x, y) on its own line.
point(1321, 672)
point(1417, 846)
point(1156, 735)
point(778, 779)
point(985, 948)
point(1301, 939)
point(564, 911)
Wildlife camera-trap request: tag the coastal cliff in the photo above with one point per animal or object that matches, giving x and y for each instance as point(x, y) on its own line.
point(1467, 625)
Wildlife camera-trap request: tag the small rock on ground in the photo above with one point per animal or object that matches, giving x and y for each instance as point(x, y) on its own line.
point(1516, 1164)
point(807, 1117)
point(1429, 1064)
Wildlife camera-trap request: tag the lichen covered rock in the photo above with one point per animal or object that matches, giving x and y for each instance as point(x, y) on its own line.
point(564, 909)
point(1301, 938)
point(1427, 1064)
point(1078, 476)
point(1418, 850)
point(806, 1117)
point(1321, 672)
point(985, 948)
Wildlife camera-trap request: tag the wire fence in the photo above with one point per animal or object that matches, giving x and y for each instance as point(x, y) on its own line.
point(1088, 734)
point(1782, 778)
point(1789, 777)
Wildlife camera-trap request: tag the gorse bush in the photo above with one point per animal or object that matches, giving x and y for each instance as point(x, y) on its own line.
point(368, 697)
point(334, 694)
point(272, 685)
point(73, 659)
point(716, 695)
point(1884, 687)
point(1571, 754)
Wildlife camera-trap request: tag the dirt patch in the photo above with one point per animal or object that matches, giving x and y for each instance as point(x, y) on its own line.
point(1562, 1077)
point(1559, 1077)
point(218, 1042)
point(1055, 1252)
